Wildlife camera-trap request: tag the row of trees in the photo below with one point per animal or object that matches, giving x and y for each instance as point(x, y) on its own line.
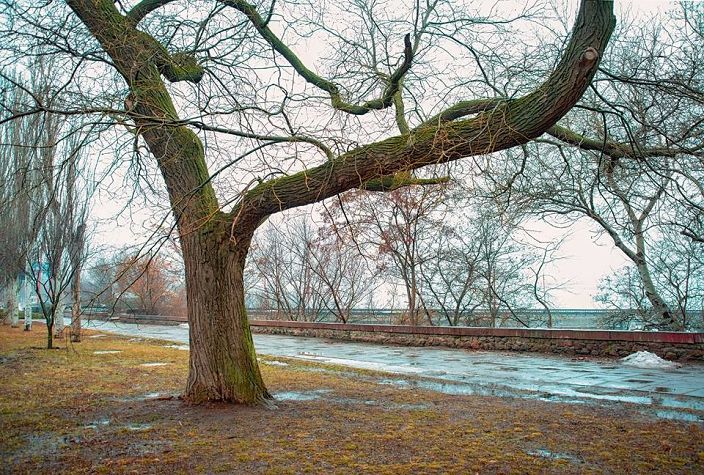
point(45, 188)
point(451, 257)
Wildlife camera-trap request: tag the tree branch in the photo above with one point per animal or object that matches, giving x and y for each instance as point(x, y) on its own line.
point(614, 150)
point(399, 180)
point(509, 124)
point(144, 8)
point(386, 99)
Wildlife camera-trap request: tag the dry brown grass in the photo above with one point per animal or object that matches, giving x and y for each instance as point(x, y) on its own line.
point(74, 411)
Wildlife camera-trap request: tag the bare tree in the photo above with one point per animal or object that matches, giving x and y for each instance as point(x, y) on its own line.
point(677, 267)
point(307, 273)
point(157, 40)
point(284, 262)
point(16, 182)
point(395, 228)
point(59, 249)
point(451, 273)
point(146, 284)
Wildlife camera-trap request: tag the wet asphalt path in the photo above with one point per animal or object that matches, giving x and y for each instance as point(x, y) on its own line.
point(671, 393)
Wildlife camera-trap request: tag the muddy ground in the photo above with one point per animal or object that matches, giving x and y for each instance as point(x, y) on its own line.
point(110, 405)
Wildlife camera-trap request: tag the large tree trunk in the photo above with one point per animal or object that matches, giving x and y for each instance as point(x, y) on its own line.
point(50, 328)
point(223, 363)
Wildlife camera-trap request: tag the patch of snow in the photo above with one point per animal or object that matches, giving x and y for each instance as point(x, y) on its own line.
point(138, 427)
point(178, 347)
point(106, 352)
point(100, 335)
point(275, 363)
point(646, 359)
point(183, 325)
point(153, 364)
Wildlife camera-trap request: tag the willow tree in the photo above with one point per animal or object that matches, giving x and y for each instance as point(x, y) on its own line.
point(146, 44)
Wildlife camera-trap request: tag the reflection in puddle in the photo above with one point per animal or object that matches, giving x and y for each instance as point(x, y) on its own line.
point(555, 394)
point(678, 416)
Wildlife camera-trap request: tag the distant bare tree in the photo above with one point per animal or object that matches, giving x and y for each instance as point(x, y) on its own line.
point(146, 283)
point(677, 270)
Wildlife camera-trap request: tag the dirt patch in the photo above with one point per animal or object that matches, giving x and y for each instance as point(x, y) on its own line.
point(72, 411)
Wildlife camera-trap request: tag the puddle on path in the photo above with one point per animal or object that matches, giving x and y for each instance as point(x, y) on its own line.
point(666, 408)
point(677, 415)
point(327, 394)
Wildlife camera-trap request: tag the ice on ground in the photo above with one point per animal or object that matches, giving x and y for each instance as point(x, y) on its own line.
point(646, 359)
point(153, 364)
point(274, 363)
point(183, 325)
point(178, 347)
point(106, 352)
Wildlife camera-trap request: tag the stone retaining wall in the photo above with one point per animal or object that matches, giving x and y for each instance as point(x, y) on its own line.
point(669, 345)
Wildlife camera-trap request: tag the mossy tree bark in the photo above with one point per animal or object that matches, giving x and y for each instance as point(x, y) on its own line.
point(223, 364)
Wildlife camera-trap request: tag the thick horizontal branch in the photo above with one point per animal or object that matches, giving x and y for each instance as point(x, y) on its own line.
point(399, 180)
point(508, 124)
point(463, 109)
point(386, 99)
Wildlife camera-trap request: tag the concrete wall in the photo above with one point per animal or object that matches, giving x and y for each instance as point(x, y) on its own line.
point(669, 345)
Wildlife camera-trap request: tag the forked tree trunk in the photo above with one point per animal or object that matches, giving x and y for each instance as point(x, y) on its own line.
point(223, 363)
